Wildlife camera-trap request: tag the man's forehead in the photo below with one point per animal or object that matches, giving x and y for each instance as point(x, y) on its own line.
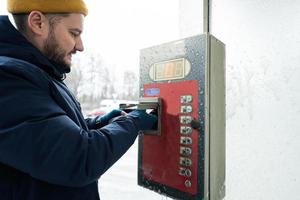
point(74, 20)
point(76, 17)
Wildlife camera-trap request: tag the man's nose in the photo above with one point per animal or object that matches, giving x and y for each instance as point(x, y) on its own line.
point(79, 44)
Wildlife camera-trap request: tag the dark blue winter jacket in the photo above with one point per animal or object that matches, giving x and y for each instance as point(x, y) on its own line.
point(47, 149)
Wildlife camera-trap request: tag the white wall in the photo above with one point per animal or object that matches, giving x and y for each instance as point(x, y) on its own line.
point(3, 7)
point(190, 17)
point(263, 96)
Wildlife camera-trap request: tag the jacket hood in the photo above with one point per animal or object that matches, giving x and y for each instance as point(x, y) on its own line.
point(14, 44)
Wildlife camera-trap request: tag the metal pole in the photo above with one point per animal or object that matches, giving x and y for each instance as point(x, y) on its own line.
point(206, 15)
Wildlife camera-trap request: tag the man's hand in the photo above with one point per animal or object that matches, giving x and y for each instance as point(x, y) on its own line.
point(105, 119)
point(146, 121)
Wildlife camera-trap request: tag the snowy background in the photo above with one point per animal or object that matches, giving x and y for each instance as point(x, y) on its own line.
point(263, 92)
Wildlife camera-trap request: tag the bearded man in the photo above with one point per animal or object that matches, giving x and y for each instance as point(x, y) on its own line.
point(48, 150)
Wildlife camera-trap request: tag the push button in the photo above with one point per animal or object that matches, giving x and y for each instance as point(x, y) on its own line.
point(185, 140)
point(182, 171)
point(186, 109)
point(185, 130)
point(185, 172)
point(188, 173)
point(188, 183)
point(185, 161)
point(189, 98)
point(185, 119)
point(185, 151)
point(186, 99)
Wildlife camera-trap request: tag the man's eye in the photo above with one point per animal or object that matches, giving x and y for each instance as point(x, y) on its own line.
point(74, 34)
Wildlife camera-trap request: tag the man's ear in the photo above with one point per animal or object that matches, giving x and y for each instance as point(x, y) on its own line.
point(38, 23)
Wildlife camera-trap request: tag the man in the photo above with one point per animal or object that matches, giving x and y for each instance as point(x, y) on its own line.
point(47, 149)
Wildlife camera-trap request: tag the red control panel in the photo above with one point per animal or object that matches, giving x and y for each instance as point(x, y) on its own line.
point(171, 158)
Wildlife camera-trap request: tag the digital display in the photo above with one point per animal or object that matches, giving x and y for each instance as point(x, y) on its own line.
point(173, 69)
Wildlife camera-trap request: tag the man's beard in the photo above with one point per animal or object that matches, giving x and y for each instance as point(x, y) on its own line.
point(55, 53)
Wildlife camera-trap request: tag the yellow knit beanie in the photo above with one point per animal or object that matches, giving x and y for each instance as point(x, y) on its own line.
point(47, 6)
